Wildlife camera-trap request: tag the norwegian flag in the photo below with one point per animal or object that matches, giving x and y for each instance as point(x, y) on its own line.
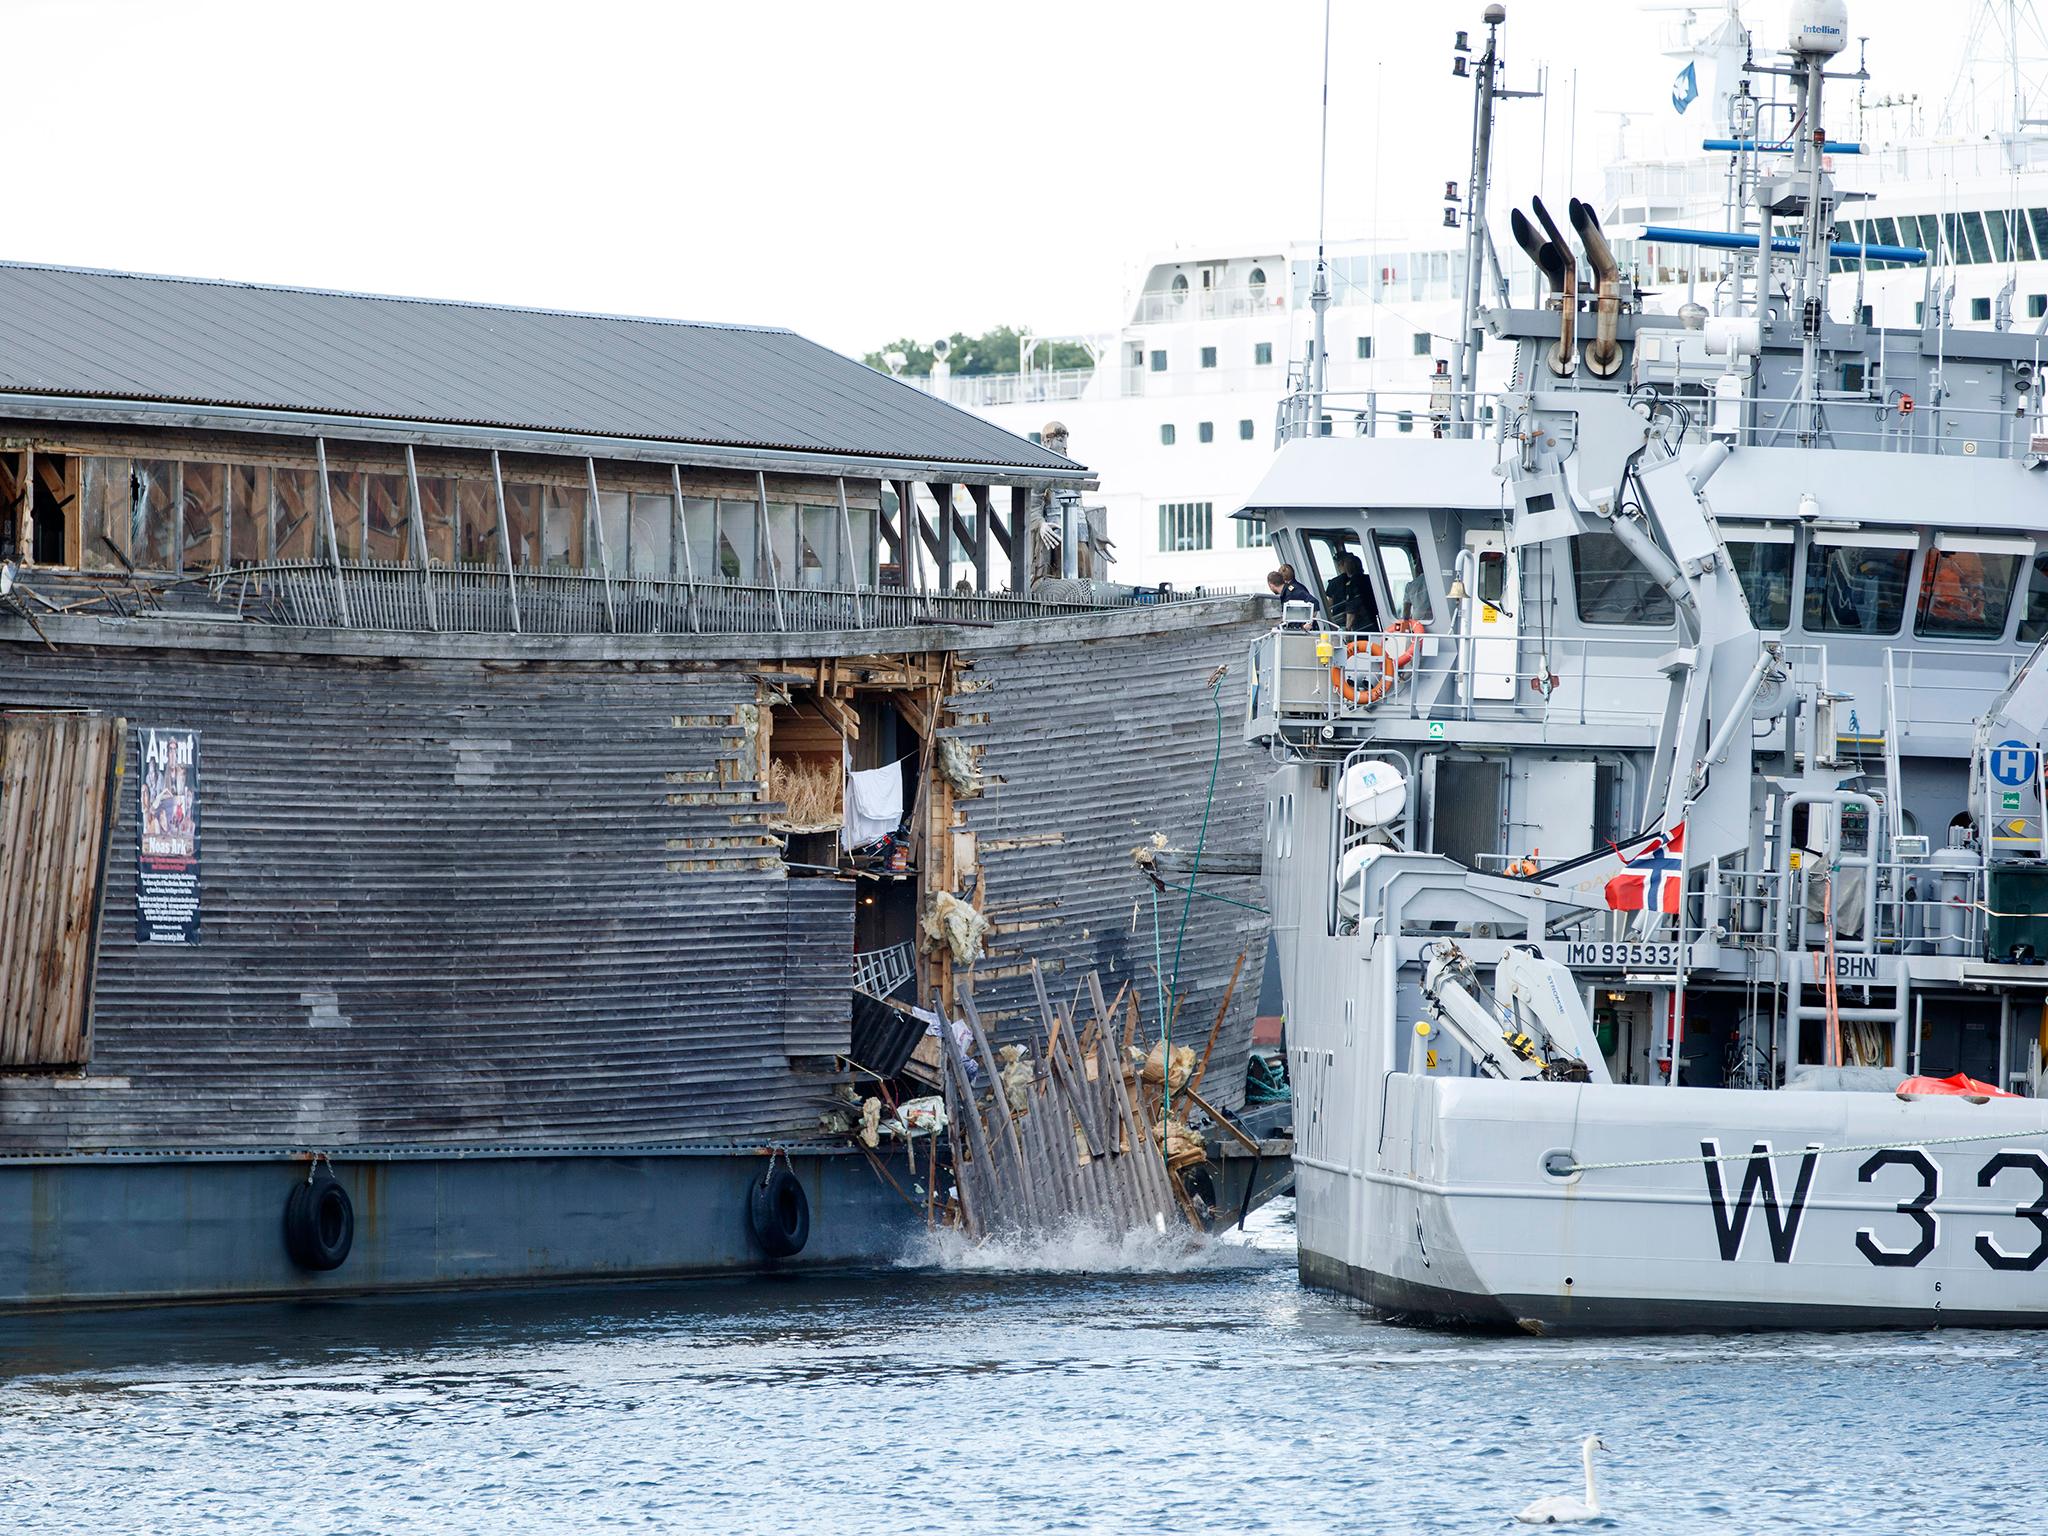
point(1654, 879)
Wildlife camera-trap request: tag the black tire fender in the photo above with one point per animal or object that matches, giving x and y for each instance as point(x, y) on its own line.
point(319, 1222)
point(779, 1212)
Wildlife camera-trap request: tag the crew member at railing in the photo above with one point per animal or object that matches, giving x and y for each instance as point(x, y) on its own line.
point(1286, 586)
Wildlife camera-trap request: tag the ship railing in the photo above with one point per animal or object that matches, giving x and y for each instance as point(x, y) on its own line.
point(1919, 908)
point(1947, 691)
point(1156, 306)
point(1309, 677)
point(1433, 412)
point(489, 600)
point(978, 391)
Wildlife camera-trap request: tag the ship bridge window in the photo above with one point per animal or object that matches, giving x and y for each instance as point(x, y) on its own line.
point(1857, 588)
point(2034, 622)
point(1400, 561)
point(1340, 578)
point(1762, 558)
point(1967, 587)
point(1611, 588)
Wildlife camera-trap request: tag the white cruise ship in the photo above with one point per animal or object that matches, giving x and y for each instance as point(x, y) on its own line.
point(1178, 417)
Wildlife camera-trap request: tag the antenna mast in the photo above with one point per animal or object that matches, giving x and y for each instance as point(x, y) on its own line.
point(1319, 296)
point(1478, 241)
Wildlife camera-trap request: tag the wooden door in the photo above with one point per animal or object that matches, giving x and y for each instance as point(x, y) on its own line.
point(58, 778)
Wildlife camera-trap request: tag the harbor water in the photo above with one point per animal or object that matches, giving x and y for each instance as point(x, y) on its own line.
point(1093, 1388)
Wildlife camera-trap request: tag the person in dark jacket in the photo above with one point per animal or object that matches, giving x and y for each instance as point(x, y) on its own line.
point(1283, 585)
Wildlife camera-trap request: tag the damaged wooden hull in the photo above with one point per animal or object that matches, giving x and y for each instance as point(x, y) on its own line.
point(498, 928)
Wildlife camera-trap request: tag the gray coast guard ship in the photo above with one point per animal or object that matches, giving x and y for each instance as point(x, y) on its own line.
point(1657, 811)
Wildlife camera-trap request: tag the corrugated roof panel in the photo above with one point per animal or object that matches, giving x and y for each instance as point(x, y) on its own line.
point(67, 331)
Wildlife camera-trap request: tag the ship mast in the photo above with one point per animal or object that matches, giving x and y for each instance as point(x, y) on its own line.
point(1486, 91)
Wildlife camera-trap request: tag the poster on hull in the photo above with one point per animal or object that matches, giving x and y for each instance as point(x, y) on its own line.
point(167, 852)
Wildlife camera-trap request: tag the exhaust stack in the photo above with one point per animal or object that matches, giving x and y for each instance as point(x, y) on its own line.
point(1603, 353)
point(1554, 257)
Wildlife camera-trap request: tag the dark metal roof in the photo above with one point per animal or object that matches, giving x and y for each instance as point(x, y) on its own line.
point(247, 346)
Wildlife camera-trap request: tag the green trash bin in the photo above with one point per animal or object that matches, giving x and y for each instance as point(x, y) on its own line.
point(2018, 927)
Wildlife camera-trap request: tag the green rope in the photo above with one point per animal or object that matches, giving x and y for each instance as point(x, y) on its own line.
point(1230, 901)
point(1187, 906)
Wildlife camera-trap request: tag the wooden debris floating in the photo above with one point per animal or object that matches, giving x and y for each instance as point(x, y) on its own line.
point(1059, 1137)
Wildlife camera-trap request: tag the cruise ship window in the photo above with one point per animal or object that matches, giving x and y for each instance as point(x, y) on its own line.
point(2037, 220)
point(2034, 622)
point(1422, 343)
point(1994, 230)
point(1206, 431)
point(1405, 421)
point(1611, 588)
point(1980, 309)
point(1208, 357)
point(1159, 362)
point(1251, 532)
point(1166, 434)
point(1973, 237)
point(1965, 594)
point(1185, 526)
point(1364, 349)
point(2037, 305)
point(1400, 559)
point(1764, 567)
point(1262, 353)
point(1883, 232)
point(1244, 430)
point(1855, 589)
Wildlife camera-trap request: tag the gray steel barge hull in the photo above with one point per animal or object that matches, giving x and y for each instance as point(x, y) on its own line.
point(120, 1229)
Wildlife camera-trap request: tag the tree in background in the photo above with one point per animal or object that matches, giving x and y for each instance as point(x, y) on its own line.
point(995, 351)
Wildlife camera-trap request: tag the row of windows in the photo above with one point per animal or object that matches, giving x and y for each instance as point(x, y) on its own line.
point(187, 516)
point(1979, 236)
point(1187, 526)
point(1205, 431)
point(1845, 589)
point(1262, 356)
point(1262, 352)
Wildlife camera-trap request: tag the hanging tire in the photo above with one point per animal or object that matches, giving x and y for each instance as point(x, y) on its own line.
point(779, 1212)
point(319, 1223)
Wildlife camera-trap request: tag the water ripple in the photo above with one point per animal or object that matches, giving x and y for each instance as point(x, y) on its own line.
point(1080, 1386)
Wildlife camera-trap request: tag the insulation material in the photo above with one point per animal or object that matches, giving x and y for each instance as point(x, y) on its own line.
point(955, 925)
point(959, 768)
point(1154, 1068)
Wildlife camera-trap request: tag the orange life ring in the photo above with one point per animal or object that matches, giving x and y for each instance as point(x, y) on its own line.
point(1390, 665)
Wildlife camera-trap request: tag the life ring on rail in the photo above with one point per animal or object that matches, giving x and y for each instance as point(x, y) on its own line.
point(779, 1212)
point(319, 1222)
point(1390, 664)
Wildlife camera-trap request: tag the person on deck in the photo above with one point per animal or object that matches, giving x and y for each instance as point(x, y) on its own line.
point(1348, 597)
point(1284, 585)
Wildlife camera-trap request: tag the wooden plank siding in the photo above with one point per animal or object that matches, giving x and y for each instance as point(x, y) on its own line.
point(1086, 751)
point(56, 781)
point(450, 903)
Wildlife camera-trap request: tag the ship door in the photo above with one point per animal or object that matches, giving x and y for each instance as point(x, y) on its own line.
point(1465, 799)
point(1488, 626)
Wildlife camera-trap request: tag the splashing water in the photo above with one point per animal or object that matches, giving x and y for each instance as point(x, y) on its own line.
point(1080, 1248)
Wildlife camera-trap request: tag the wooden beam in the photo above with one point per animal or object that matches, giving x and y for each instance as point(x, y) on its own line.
point(505, 538)
point(942, 548)
point(594, 528)
point(979, 495)
point(1019, 547)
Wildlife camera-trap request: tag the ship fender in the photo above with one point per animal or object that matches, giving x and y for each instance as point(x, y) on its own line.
point(319, 1222)
point(779, 1212)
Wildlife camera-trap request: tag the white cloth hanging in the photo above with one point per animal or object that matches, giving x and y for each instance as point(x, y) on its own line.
point(874, 804)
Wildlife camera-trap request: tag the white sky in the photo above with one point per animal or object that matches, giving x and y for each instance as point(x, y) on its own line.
point(854, 171)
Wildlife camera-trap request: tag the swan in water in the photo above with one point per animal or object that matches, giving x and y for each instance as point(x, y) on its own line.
point(1564, 1508)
